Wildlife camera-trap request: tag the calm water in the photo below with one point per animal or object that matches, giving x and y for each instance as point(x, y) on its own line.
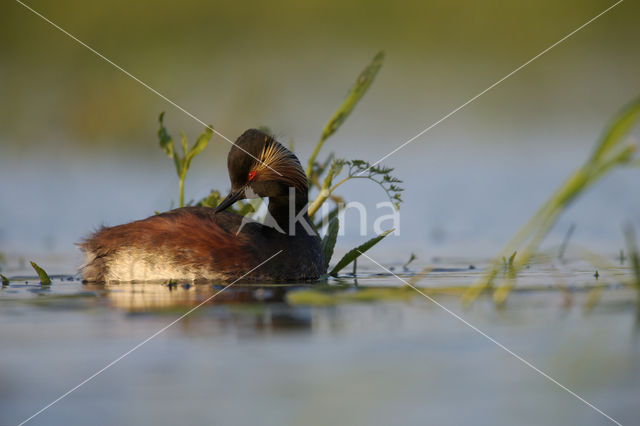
point(257, 355)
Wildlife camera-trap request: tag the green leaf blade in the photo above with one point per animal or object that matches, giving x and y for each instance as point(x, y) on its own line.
point(179, 163)
point(42, 274)
point(329, 241)
point(184, 144)
point(165, 139)
point(356, 252)
point(199, 146)
point(618, 127)
point(356, 93)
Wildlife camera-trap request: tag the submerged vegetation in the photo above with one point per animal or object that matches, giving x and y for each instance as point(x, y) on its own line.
point(321, 174)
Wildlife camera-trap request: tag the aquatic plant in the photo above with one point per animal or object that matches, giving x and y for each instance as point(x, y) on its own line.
point(412, 257)
point(331, 169)
point(336, 295)
point(329, 240)
point(354, 253)
point(634, 255)
point(354, 95)
point(357, 169)
point(182, 163)
point(610, 151)
point(42, 274)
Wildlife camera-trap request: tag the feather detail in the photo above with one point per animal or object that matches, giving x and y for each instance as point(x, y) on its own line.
point(274, 159)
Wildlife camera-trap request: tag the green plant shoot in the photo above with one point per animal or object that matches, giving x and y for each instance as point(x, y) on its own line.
point(354, 253)
point(183, 162)
point(42, 274)
point(412, 257)
point(356, 93)
point(378, 174)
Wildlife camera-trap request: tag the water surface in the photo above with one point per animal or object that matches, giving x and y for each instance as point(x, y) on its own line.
point(259, 355)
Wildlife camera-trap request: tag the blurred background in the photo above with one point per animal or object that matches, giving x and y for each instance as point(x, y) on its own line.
point(78, 144)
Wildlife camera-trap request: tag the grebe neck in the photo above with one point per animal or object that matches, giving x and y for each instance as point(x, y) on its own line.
point(286, 215)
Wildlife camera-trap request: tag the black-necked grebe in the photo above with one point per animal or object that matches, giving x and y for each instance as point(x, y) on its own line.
point(201, 243)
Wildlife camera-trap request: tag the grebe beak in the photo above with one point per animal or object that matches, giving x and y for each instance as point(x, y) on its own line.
point(231, 198)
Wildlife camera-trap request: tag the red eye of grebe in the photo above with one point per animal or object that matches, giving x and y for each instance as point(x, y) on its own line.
point(251, 175)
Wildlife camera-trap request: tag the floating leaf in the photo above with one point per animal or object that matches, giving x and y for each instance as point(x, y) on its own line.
point(317, 297)
point(356, 252)
point(42, 274)
point(329, 240)
point(310, 298)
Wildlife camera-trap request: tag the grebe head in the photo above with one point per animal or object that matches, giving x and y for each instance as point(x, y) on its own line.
point(259, 166)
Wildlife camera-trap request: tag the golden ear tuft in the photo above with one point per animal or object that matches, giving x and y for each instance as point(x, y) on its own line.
point(276, 157)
